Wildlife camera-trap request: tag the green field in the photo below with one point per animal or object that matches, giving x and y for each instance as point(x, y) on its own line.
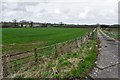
point(73, 64)
point(0, 35)
point(22, 39)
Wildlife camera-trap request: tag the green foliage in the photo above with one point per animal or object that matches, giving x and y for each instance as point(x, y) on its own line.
point(88, 62)
point(64, 63)
point(71, 55)
point(113, 33)
point(56, 76)
point(0, 35)
point(23, 39)
point(52, 35)
point(46, 73)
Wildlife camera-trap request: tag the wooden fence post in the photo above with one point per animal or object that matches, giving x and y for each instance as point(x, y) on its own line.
point(4, 63)
point(81, 40)
point(55, 51)
point(93, 35)
point(77, 46)
point(87, 36)
point(36, 56)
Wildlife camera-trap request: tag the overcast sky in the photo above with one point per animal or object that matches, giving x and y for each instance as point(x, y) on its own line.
point(67, 11)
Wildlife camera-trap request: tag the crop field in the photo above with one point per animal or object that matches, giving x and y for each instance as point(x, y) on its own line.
point(0, 36)
point(50, 62)
point(23, 39)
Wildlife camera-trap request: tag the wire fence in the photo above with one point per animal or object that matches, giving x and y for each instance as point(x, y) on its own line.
point(12, 63)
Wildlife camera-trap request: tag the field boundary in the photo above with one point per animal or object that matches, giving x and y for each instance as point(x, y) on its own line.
point(108, 35)
point(52, 51)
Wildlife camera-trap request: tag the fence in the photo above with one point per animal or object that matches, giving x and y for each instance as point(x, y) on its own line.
point(14, 62)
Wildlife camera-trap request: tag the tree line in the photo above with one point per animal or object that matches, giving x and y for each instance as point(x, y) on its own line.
point(31, 24)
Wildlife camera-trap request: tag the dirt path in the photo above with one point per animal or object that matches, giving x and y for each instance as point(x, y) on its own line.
point(107, 62)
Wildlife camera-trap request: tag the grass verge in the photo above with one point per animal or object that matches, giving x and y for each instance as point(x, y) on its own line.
point(70, 65)
point(113, 35)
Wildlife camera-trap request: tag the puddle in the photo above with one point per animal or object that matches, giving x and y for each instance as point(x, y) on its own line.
point(105, 46)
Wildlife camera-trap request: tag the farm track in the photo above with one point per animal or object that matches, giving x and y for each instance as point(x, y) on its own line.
point(107, 62)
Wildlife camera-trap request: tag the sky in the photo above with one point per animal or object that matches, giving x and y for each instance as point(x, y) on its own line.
point(66, 11)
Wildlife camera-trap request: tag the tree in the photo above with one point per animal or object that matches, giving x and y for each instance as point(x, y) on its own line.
point(15, 22)
point(23, 22)
point(31, 24)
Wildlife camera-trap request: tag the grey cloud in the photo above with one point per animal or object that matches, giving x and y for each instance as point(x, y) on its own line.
point(27, 3)
point(20, 9)
point(43, 11)
point(12, 6)
point(3, 5)
point(55, 11)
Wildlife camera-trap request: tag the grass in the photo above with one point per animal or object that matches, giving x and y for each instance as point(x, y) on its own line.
point(69, 65)
point(0, 35)
point(87, 63)
point(0, 41)
point(83, 62)
point(52, 35)
point(113, 33)
point(23, 39)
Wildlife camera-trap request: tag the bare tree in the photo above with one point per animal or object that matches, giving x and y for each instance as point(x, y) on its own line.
point(15, 22)
point(23, 23)
point(31, 24)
